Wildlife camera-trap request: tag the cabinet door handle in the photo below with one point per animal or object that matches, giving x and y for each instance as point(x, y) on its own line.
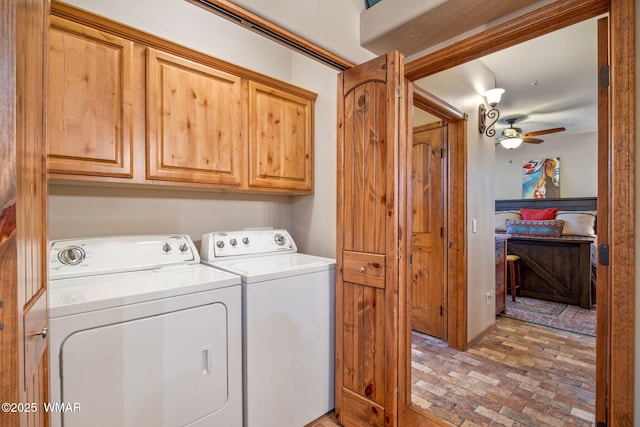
point(44, 334)
point(361, 269)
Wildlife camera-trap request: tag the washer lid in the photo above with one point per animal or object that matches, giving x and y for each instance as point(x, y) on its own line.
point(83, 294)
point(259, 269)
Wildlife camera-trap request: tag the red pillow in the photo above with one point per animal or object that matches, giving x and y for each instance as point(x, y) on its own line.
point(538, 214)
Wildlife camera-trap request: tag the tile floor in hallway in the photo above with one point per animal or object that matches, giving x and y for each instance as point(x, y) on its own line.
point(520, 374)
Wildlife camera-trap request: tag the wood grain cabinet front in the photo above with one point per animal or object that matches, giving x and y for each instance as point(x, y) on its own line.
point(128, 107)
point(194, 121)
point(89, 103)
point(280, 139)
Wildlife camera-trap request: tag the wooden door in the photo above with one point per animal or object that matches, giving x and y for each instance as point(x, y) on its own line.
point(89, 112)
point(23, 193)
point(427, 229)
point(371, 140)
point(194, 121)
point(280, 139)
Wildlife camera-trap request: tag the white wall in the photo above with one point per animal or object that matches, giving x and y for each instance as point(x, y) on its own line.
point(578, 165)
point(461, 87)
point(82, 211)
point(314, 218)
point(85, 211)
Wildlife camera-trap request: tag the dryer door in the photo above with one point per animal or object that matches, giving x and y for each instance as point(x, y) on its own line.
point(168, 370)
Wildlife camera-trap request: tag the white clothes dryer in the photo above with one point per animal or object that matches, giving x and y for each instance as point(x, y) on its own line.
point(142, 334)
point(288, 325)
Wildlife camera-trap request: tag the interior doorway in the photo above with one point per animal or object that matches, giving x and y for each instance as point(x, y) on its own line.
point(428, 180)
point(473, 48)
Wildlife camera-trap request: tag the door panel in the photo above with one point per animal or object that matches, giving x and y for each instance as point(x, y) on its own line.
point(23, 195)
point(427, 240)
point(368, 241)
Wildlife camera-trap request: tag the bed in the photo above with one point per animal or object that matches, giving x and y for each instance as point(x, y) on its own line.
point(559, 268)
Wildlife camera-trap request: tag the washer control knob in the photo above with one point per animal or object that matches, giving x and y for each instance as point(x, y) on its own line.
point(166, 247)
point(184, 247)
point(280, 240)
point(220, 244)
point(245, 240)
point(233, 242)
point(71, 255)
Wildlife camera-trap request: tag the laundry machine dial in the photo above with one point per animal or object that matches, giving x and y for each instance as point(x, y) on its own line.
point(71, 255)
point(220, 244)
point(233, 242)
point(280, 239)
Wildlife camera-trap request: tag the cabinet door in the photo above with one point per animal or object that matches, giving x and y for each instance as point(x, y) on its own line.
point(280, 139)
point(89, 101)
point(193, 121)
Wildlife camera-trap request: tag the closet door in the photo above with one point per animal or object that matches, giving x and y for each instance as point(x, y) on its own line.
point(24, 342)
point(369, 239)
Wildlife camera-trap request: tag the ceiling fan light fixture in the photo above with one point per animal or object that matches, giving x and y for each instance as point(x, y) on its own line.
point(511, 143)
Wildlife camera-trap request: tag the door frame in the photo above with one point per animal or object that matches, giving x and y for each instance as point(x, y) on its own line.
point(621, 292)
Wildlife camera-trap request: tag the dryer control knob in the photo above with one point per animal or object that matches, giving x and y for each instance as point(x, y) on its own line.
point(280, 239)
point(220, 244)
point(233, 242)
point(245, 240)
point(183, 247)
point(166, 247)
point(71, 255)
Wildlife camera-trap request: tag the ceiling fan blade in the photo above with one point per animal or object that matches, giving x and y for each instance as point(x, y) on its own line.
point(531, 140)
point(544, 132)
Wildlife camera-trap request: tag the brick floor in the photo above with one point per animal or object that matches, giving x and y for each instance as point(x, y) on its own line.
point(518, 375)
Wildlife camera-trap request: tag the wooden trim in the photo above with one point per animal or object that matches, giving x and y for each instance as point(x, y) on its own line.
point(436, 106)
point(396, 133)
point(10, 349)
point(456, 232)
point(529, 26)
point(603, 274)
point(103, 24)
point(253, 22)
point(622, 213)
point(622, 164)
point(340, 226)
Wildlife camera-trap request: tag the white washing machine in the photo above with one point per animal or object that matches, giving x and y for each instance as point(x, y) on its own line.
point(288, 325)
point(142, 334)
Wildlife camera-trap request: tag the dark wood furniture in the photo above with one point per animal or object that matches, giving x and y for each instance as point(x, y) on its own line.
point(513, 275)
point(501, 273)
point(554, 269)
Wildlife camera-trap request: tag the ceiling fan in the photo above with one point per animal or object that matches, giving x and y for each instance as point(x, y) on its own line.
point(512, 136)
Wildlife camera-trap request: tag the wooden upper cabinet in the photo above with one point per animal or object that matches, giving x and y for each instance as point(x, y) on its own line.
point(89, 105)
point(280, 139)
point(122, 109)
point(194, 122)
